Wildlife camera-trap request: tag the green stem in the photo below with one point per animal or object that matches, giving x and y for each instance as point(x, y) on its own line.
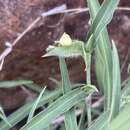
point(88, 81)
point(70, 117)
point(87, 108)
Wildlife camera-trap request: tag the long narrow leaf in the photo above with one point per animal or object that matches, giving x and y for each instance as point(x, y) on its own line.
point(10, 84)
point(22, 112)
point(116, 90)
point(3, 117)
point(122, 121)
point(60, 106)
point(35, 105)
point(100, 122)
point(102, 18)
point(125, 93)
point(70, 117)
point(103, 57)
point(34, 87)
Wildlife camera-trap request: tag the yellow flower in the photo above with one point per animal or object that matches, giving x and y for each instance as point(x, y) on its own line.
point(65, 40)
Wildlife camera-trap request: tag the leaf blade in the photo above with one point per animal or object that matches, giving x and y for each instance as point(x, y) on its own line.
point(35, 105)
point(70, 117)
point(63, 104)
point(10, 84)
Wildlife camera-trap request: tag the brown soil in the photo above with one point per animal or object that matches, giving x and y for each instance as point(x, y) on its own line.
point(25, 60)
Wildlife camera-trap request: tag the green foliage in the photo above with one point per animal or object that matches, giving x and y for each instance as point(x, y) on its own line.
point(70, 117)
point(73, 50)
point(65, 100)
point(121, 122)
point(103, 64)
point(60, 106)
point(102, 18)
point(3, 117)
point(116, 85)
point(22, 112)
point(35, 105)
point(11, 84)
point(101, 122)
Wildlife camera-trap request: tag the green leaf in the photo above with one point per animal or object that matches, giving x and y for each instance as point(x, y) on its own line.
point(3, 117)
point(34, 87)
point(100, 123)
point(88, 87)
point(128, 70)
point(22, 112)
point(60, 106)
point(116, 89)
point(66, 86)
point(11, 84)
point(70, 117)
point(35, 105)
point(73, 50)
point(125, 97)
point(103, 64)
point(126, 90)
point(102, 18)
point(49, 128)
point(87, 107)
point(122, 121)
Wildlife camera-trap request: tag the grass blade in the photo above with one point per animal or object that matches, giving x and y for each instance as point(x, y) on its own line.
point(122, 121)
point(100, 122)
point(22, 112)
point(70, 117)
point(11, 84)
point(34, 87)
point(125, 92)
point(60, 106)
point(103, 57)
point(102, 19)
point(87, 106)
point(116, 90)
point(3, 117)
point(35, 105)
